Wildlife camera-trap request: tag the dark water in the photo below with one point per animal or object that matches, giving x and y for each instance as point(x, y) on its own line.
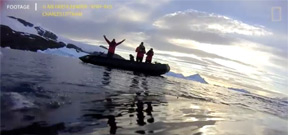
point(45, 94)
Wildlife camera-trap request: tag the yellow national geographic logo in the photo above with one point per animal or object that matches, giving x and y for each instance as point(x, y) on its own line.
point(276, 14)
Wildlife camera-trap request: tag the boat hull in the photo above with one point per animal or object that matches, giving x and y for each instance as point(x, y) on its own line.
point(146, 68)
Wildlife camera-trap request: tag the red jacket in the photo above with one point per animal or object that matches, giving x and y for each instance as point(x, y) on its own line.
point(149, 54)
point(112, 47)
point(140, 52)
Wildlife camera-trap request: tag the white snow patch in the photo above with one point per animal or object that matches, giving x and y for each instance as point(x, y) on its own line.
point(17, 26)
point(64, 52)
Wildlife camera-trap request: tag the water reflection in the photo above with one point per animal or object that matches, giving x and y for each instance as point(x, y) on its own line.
point(135, 82)
point(135, 104)
point(139, 82)
point(149, 111)
point(106, 79)
point(140, 114)
point(144, 83)
point(113, 107)
point(112, 123)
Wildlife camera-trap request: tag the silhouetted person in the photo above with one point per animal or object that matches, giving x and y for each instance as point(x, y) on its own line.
point(112, 46)
point(113, 126)
point(140, 52)
point(131, 57)
point(149, 56)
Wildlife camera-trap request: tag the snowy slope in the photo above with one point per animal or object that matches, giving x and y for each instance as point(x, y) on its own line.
point(28, 29)
point(17, 26)
point(86, 47)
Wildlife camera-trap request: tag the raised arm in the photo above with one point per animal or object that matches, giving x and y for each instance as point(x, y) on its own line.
point(120, 42)
point(106, 39)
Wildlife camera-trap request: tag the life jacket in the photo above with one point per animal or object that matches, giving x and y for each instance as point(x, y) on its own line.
point(149, 54)
point(112, 47)
point(140, 52)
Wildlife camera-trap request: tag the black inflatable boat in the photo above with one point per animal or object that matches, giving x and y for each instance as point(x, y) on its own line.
point(146, 68)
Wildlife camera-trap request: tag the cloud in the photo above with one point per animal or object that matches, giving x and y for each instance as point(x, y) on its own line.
point(216, 36)
point(134, 39)
point(208, 22)
point(206, 27)
point(128, 14)
point(243, 50)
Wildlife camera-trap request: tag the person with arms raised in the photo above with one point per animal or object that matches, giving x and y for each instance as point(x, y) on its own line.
point(112, 46)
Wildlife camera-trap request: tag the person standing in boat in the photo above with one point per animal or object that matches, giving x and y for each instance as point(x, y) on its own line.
point(112, 46)
point(149, 56)
point(140, 52)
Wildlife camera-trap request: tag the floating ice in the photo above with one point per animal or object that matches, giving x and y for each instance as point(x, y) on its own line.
point(64, 52)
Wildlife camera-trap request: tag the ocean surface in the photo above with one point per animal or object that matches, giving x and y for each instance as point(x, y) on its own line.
point(47, 94)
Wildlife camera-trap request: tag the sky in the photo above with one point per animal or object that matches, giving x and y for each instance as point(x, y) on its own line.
point(230, 43)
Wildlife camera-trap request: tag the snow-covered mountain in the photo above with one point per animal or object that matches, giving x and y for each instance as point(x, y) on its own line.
point(195, 77)
point(19, 34)
point(175, 75)
point(199, 78)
